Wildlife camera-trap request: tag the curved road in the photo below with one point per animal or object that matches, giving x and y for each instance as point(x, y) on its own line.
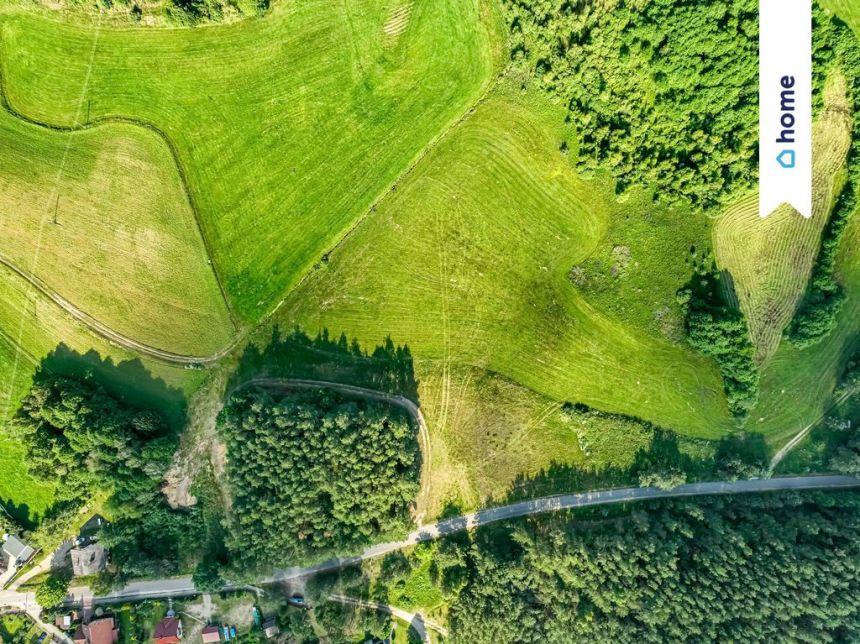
point(416, 621)
point(183, 586)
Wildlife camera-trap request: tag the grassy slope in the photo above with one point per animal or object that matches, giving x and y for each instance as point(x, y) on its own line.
point(16, 485)
point(797, 385)
point(468, 263)
point(41, 325)
point(770, 259)
point(848, 10)
point(125, 248)
point(288, 126)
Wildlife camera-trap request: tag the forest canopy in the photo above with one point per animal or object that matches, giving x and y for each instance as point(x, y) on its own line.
point(765, 568)
point(95, 445)
point(314, 473)
point(664, 93)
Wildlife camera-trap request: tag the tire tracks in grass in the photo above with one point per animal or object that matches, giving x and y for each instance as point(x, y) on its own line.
point(795, 440)
point(109, 119)
point(107, 333)
point(54, 192)
point(242, 330)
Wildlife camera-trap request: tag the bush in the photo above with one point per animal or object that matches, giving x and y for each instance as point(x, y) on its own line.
point(207, 576)
point(666, 479)
point(53, 591)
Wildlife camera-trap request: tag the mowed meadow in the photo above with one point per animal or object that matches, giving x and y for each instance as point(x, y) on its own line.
point(100, 217)
point(287, 127)
point(468, 262)
point(375, 168)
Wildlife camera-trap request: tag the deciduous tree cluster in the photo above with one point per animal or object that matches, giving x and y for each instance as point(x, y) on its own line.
point(716, 330)
point(664, 93)
point(93, 444)
point(314, 473)
point(90, 441)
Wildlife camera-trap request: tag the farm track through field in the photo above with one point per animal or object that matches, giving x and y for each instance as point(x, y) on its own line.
point(174, 153)
point(795, 440)
point(105, 332)
point(102, 330)
point(392, 187)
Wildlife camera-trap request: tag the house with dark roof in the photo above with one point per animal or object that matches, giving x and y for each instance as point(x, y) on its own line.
point(211, 634)
point(168, 631)
point(89, 560)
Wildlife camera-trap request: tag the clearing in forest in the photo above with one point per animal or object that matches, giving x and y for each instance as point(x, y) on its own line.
point(770, 259)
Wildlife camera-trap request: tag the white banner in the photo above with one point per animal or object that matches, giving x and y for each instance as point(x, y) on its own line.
point(785, 95)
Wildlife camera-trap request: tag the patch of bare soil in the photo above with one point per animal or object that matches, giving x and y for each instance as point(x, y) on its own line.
point(198, 448)
point(241, 613)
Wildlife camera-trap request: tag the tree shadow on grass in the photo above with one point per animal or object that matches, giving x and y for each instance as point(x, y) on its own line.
point(128, 381)
point(18, 512)
point(736, 456)
point(388, 368)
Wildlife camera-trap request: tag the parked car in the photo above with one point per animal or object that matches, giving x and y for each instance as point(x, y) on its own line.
point(297, 600)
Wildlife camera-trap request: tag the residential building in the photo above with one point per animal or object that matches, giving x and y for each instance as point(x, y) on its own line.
point(211, 634)
point(98, 631)
point(89, 560)
point(15, 551)
point(168, 631)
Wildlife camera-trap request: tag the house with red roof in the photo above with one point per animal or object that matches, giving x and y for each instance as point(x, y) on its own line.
point(98, 631)
point(168, 631)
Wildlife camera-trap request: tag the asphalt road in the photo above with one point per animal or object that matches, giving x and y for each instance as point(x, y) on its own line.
point(183, 586)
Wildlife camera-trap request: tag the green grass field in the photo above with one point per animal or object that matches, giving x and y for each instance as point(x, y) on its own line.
point(468, 263)
point(797, 384)
point(17, 487)
point(770, 259)
point(458, 225)
point(40, 325)
point(848, 10)
point(100, 216)
point(288, 127)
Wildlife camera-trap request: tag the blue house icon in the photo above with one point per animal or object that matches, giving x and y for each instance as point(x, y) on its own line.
point(786, 159)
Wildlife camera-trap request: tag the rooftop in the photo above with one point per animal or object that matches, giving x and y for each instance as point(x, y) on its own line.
point(89, 560)
point(16, 549)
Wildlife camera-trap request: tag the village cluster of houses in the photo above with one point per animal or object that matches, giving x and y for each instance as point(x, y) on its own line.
point(105, 630)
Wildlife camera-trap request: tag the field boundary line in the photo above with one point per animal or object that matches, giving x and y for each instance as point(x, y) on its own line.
point(54, 193)
point(107, 333)
point(108, 119)
point(391, 188)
